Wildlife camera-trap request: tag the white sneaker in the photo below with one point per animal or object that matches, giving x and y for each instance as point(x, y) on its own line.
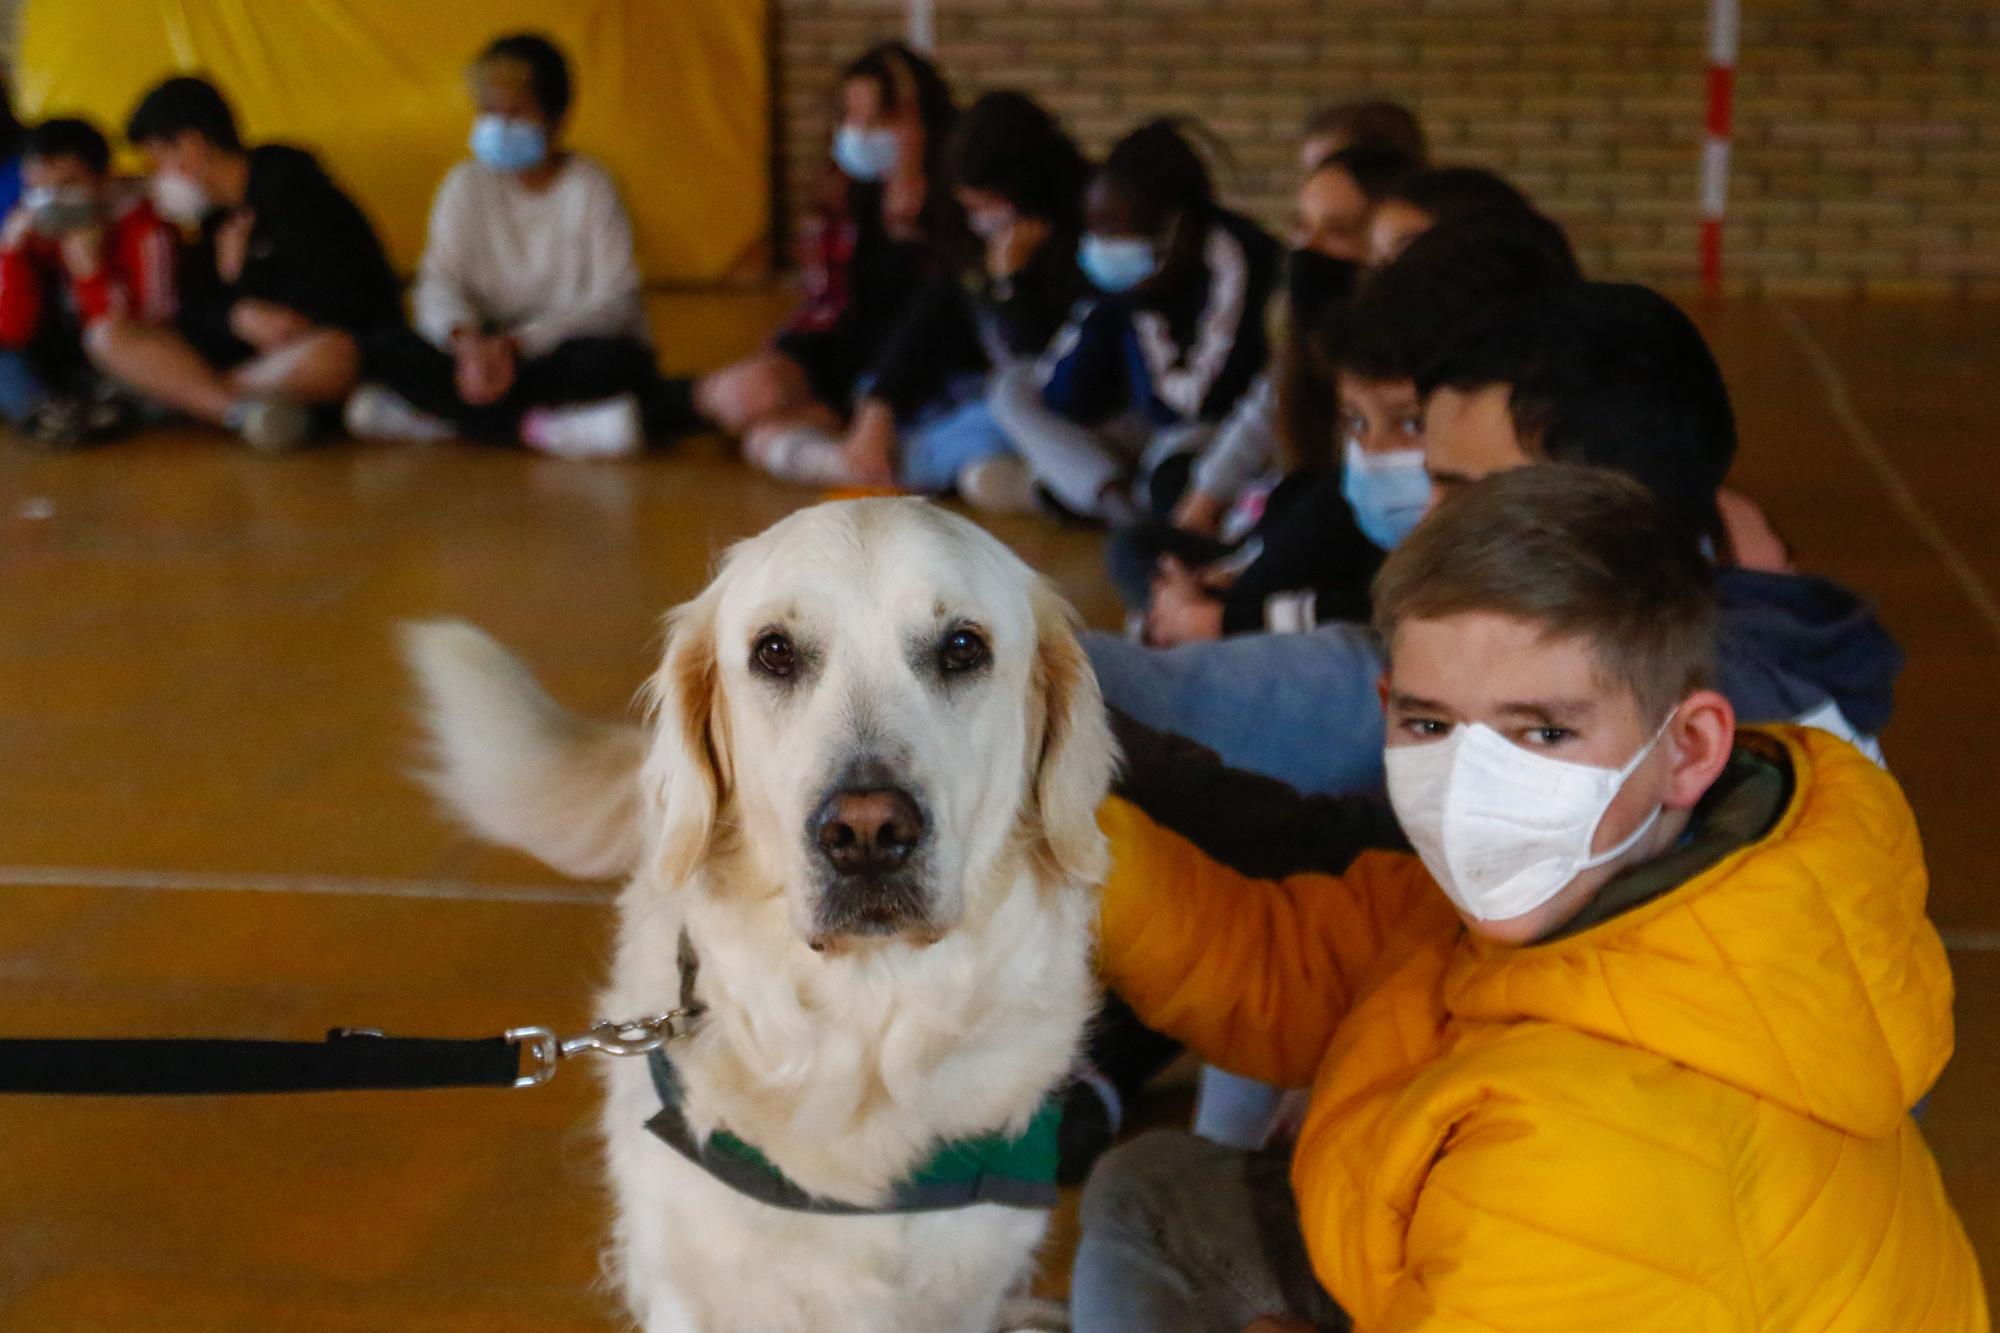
point(271, 425)
point(377, 412)
point(1001, 484)
point(611, 428)
point(804, 455)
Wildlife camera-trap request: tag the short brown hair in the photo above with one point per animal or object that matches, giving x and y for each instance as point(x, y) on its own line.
point(1378, 124)
point(1584, 553)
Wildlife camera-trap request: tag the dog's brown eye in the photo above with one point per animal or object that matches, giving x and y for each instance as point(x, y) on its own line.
point(774, 655)
point(963, 650)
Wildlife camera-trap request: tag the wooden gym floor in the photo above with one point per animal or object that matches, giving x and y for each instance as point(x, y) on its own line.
point(206, 825)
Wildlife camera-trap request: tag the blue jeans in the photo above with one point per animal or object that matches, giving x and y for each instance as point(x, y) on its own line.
point(944, 439)
point(1301, 708)
point(21, 389)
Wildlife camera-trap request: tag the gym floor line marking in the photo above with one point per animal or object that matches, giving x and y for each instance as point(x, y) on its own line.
point(336, 886)
point(328, 886)
point(1834, 385)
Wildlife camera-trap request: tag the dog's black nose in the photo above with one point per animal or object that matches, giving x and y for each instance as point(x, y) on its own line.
point(868, 832)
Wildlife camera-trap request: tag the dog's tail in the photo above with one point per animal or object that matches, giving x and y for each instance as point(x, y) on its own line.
point(517, 766)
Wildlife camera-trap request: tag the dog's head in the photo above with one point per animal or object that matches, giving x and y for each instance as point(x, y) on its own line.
point(876, 701)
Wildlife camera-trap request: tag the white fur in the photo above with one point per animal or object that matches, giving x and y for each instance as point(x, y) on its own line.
point(844, 1064)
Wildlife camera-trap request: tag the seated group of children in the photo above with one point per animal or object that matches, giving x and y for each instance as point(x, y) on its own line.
point(1502, 821)
point(243, 288)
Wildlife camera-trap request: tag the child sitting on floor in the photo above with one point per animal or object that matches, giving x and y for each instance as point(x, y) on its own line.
point(282, 280)
point(891, 231)
point(528, 323)
point(1313, 558)
point(1020, 180)
point(1173, 339)
point(1629, 1042)
point(76, 252)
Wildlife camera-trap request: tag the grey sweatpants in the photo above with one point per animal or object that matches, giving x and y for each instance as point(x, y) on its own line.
point(1181, 1235)
point(1076, 462)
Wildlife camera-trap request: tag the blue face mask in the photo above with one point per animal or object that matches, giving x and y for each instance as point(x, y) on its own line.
point(1116, 263)
point(1389, 493)
point(866, 155)
point(509, 145)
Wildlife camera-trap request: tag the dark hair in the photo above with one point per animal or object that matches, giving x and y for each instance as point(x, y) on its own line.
point(1387, 124)
point(1373, 167)
point(935, 107)
point(1008, 144)
point(69, 137)
point(1156, 171)
point(1581, 552)
point(182, 104)
point(1609, 374)
point(1408, 312)
point(1448, 194)
point(548, 71)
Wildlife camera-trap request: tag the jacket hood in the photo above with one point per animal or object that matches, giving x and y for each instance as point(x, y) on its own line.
point(1800, 968)
point(1788, 644)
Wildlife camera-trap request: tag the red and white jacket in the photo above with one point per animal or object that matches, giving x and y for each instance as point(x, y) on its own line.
point(135, 281)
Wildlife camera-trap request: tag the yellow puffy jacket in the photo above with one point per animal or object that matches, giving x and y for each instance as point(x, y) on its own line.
point(1692, 1116)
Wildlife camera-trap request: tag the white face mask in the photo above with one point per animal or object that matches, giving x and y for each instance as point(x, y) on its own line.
point(179, 198)
point(1501, 828)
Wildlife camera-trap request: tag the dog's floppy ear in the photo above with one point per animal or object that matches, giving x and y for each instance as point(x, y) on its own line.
point(517, 766)
point(1076, 754)
point(687, 773)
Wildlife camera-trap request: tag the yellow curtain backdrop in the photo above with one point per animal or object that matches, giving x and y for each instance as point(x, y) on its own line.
point(672, 95)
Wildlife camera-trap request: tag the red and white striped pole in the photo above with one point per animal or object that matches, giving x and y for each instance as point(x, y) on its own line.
point(1722, 30)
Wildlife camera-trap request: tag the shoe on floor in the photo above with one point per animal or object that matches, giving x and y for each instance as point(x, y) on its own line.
point(377, 412)
point(271, 425)
point(56, 423)
point(1001, 484)
point(608, 429)
point(805, 455)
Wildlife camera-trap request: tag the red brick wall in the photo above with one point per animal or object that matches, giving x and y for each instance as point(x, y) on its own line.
point(1867, 131)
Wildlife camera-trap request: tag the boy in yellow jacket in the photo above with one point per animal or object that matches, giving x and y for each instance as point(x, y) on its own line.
point(1629, 1044)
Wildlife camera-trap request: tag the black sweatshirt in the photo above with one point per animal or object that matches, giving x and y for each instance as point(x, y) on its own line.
point(1313, 554)
point(311, 249)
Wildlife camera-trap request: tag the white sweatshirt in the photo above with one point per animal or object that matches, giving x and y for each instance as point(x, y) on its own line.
point(545, 266)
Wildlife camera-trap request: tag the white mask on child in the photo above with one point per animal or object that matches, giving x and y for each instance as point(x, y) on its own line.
point(1501, 828)
point(179, 198)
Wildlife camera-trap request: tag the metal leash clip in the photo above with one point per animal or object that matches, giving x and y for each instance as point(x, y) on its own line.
point(640, 1036)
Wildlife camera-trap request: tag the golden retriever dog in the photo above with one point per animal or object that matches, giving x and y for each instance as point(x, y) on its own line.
point(862, 812)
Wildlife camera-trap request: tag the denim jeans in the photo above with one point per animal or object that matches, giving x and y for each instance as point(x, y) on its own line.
point(1234, 1111)
point(947, 436)
point(1185, 1236)
point(1301, 708)
point(21, 389)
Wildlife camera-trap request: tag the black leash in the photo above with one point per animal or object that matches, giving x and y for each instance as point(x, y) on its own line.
point(349, 1060)
point(346, 1060)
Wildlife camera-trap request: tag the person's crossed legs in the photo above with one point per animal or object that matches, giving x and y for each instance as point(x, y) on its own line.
point(306, 365)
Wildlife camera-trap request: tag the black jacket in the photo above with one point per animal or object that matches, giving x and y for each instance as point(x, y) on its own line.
point(1309, 550)
point(311, 249)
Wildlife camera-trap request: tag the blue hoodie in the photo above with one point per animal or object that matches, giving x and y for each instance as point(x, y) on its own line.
point(1795, 648)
